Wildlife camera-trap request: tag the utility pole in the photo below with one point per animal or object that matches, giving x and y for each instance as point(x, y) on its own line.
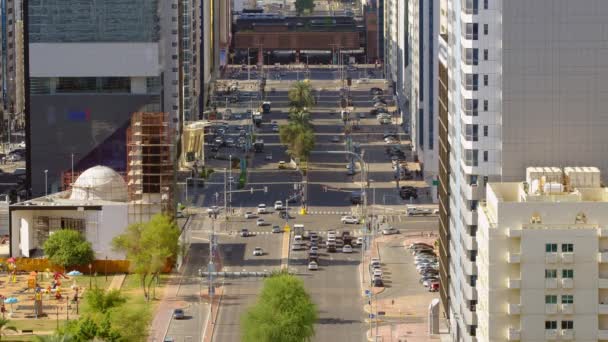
point(248, 66)
point(230, 178)
point(225, 193)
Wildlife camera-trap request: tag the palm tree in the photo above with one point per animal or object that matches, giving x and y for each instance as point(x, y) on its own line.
point(4, 327)
point(299, 116)
point(300, 95)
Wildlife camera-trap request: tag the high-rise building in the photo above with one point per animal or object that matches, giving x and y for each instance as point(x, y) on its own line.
point(11, 63)
point(527, 83)
point(90, 65)
point(542, 263)
point(423, 39)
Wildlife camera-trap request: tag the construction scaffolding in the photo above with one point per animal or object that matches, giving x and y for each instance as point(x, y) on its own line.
point(150, 169)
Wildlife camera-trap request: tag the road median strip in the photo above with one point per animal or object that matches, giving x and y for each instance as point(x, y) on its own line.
point(285, 250)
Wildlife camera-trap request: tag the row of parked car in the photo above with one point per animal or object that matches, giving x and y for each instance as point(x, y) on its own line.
point(427, 265)
point(375, 272)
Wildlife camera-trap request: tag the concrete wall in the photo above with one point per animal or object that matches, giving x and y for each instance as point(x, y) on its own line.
point(555, 84)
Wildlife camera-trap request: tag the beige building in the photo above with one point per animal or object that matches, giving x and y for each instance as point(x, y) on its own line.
point(542, 263)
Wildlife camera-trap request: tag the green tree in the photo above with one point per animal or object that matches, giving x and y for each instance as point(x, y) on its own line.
point(305, 6)
point(67, 248)
point(4, 327)
point(299, 139)
point(301, 95)
point(132, 323)
point(100, 301)
point(57, 337)
point(284, 312)
point(148, 247)
point(299, 116)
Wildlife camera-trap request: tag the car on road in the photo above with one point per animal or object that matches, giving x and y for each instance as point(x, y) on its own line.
point(335, 139)
point(276, 229)
point(260, 222)
point(213, 210)
point(258, 251)
point(331, 247)
point(314, 249)
point(347, 249)
point(348, 219)
point(229, 142)
point(376, 91)
point(244, 232)
point(275, 128)
point(359, 241)
point(262, 209)
point(391, 140)
point(313, 266)
point(284, 215)
point(413, 211)
point(376, 272)
point(374, 262)
point(178, 314)
point(278, 205)
point(250, 214)
point(282, 165)
point(389, 231)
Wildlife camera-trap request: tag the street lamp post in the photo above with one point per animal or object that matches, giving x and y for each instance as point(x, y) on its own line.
point(46, 187)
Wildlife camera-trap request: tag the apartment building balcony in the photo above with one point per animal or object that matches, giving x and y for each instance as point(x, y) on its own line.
point(550, 309)
point(567, 283)
point(550, 283)
point(470, 293)
point(551, 258)
point(602, 257)
point(602, 334)
point(513, 258)
point(603, 309)
point(567, 309)
point(551, 334)
point(603, 232)
point(603, 283)
point(513, 232)
point(471, 191)
point(470, 243)
point(513, 283)
point(513, 334)
point(514, 309)
point(567, 257)
point(470, 268)
point(567, 334)
point(470, 216)
point(470, 317)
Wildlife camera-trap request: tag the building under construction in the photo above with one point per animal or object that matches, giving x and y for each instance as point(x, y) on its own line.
point(150, 168)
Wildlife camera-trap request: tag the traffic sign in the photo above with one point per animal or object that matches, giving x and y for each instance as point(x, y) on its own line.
point(371, 315)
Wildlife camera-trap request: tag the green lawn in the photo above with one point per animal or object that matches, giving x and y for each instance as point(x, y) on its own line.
point(38, 324)
point(85, 280)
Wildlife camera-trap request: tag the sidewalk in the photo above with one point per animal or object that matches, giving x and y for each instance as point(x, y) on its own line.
point(164, 311)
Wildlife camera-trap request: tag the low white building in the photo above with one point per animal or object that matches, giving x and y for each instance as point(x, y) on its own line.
point(97, 205)
point(542, 258)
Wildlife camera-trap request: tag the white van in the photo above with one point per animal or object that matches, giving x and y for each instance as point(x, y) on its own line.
point(413, 210)
point(298, 229)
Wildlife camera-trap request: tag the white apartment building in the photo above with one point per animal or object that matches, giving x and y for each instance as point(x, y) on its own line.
point(391, 39)
point(423, 34)
point(527, 86)
point(543, 258)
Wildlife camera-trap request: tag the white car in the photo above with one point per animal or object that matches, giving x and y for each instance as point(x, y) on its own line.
point(260, 222)
point(349, 219)
point(297, 247)
point(249, 214)
point(377, 272)
point(213, 210)
point(359, 241)
point(258, 251)
point(275, 128)
point(347, 249)
point(261, 208)
point(314, 249)
point(313, 266)
point(278, 205)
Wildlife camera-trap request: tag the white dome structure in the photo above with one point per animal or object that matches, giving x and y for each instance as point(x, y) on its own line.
point(99, 183)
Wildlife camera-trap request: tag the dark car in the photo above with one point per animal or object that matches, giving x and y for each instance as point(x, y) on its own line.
point(377, 282)
point(284, 215)
point(376, 91)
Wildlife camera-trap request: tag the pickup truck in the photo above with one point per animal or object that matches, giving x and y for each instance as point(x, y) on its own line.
point(413, 211)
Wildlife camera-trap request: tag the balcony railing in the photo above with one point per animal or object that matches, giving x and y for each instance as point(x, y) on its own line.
point(550, 283)
point(513, 258)
point(602, 334)
point(514, 283)
point(568, 309)
point(567, 257)
point(513, 232)
point(470, 292)
point(567, 334)
point(514, 309)
point(551, 334)
point(551, 258)
point(602, 256)
point(603, 283)
point(603, 309)
point(550, 309)
point(513, 334)
point(567, 283)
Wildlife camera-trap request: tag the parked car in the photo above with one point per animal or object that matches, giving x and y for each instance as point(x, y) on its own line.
point(297, 247)
point(260, 222)
point(389, 231)
point(359, 241)
point(376, 91)
point(335, 139)
point(276, 229)
point(347, 249)
point(413, 210)
point(258, 251)
point(244, 232)
point(250, 214)
point(313, 266)
point(347, 219)
point(378, 282)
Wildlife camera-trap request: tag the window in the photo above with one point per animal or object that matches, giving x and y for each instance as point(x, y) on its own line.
point(485, 105)
point(471, 132)
point(470, 107)
point(471, 6)
point(551, 247)
point(550, 274)
point(567, 299)
point(485, 54)
point(550, 299)
point(485, 80)
point(567, 247)
point(471, 81)
point(473, 180)
point(485, 29)
point(471, 56)
point(471, 157)
point(550, 325)
point(471, 31)
point(568, 274)
point(485, 131)
point(485, 4)
point(485, 156)
point(567, 325)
